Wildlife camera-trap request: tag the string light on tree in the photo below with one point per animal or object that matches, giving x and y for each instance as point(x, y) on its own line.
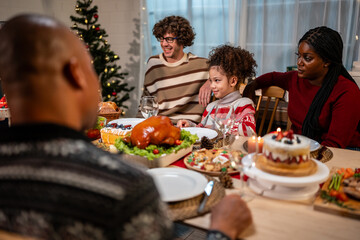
point(113, 83)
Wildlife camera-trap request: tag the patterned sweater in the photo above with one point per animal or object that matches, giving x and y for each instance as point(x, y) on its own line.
point(176, 86)
point(244, 114)
point(55, 184)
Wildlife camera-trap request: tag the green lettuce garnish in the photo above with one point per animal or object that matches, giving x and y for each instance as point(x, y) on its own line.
point(186, 137)
point(100, 122)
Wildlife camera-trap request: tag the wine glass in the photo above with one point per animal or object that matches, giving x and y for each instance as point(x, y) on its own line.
point(224, 120)
point(237, 162)
point(149, 106)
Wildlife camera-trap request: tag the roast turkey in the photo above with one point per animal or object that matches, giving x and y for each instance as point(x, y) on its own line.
point(157, 130)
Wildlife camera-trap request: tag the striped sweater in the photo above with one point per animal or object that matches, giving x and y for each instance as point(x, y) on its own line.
point(244, 114)
point(176, 86)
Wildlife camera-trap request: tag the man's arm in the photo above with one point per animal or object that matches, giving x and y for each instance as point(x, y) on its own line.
point(205, 94)
point(230, 216)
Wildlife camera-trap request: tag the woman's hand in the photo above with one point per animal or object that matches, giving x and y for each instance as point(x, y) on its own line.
point(183, 123)
point(249, 90)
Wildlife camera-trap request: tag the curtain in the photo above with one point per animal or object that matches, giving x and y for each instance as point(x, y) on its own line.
point(270, 29)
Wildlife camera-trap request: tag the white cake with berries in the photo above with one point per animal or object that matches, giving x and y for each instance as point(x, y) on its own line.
point(113, 131)
point(286, 154)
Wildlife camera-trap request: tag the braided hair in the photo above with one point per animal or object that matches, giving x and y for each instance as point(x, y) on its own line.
point(328, 44)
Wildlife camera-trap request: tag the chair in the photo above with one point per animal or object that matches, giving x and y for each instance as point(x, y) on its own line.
point(269, 93)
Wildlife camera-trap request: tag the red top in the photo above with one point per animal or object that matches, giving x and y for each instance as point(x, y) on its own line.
point(340, 115)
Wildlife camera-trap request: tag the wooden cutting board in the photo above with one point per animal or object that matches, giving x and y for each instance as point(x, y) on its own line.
point(329, 207)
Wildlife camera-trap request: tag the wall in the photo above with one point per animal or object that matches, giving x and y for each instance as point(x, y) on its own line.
point(120, 19)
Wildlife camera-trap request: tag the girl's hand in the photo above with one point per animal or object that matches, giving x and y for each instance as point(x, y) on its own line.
point(183, 123)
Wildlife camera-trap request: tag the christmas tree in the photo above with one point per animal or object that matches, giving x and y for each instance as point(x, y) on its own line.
point(86, 27)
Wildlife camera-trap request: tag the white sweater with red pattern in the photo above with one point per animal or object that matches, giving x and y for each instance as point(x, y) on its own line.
point(244, 125)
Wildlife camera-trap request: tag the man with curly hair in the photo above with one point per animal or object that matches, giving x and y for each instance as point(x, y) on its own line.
point(177, 79)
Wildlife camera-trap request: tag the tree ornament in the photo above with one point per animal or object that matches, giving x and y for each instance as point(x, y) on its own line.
point(114, 83)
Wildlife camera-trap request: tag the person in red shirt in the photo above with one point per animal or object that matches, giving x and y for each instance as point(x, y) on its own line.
point(323, 98)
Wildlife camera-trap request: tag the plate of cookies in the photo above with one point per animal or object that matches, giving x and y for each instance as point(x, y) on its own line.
point(212, 162)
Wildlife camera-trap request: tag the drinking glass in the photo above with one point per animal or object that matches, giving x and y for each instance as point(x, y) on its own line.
point(224, 120)
point(149, 106)
point(238, 163)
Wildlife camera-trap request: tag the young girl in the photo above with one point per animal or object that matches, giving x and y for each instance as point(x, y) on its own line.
point(228, 68)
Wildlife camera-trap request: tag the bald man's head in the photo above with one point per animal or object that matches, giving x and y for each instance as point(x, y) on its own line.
point(31, 45)
point(41, 60)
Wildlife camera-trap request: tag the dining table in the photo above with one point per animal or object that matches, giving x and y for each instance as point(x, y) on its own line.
point(282, 219)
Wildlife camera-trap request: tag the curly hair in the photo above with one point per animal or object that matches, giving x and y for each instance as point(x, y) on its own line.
point(177, 25)
point(234, 61)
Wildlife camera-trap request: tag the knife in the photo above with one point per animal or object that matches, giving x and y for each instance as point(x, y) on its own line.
point(208, 190)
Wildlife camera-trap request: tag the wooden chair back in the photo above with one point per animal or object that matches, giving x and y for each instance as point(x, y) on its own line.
point(270, 93)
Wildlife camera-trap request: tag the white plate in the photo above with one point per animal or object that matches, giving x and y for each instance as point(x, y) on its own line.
point(176, 184)
point(201, 132)
point(127, 121)
point(284, 193)
point(314, 145)
point(319, 176)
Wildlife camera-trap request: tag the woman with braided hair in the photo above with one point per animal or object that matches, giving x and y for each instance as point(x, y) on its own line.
point(323, 98)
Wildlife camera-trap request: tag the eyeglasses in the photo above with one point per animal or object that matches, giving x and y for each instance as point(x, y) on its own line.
point(167, 39)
